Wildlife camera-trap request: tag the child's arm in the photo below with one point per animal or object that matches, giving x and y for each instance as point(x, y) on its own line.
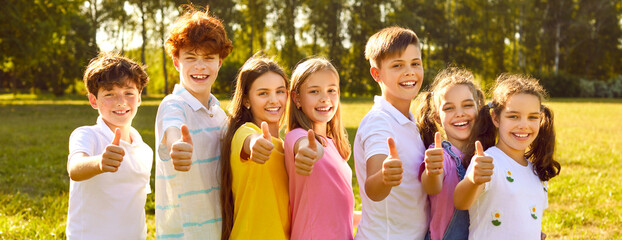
point(82, 166)
point(432, 177)
point(384, 172)
point(469, 189)
point(258, 146)
point(307, 152)
point(180, 143)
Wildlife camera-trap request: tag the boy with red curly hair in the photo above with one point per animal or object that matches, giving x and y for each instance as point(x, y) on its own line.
point(187, 184)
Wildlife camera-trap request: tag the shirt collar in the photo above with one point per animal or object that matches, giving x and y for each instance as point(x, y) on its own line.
point(108, 134)
point(191, 100)
point(387, 107)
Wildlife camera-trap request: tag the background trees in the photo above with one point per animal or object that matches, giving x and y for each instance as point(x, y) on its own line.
point(573, 46)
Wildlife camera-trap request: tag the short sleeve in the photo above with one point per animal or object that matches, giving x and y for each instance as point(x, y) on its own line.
point(173, 115)
point(374, 137)
point(82, 140)
point(239, 137)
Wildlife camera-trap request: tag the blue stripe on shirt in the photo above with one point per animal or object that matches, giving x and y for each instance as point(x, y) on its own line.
point(166, 236)
point(165, 207)
point(206, 160)
point(195, 131)
point(166, 177)
point(193, 224)
point(197, 192)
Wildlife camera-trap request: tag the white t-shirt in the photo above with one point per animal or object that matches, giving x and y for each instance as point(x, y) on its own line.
point(109, 205)
point(404, 213)
point(188, 203)
point(511, 205)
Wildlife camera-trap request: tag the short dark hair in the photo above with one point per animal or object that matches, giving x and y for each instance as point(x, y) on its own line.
point(110, 69)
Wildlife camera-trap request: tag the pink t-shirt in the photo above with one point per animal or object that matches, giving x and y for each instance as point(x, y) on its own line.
point(322, 203)
point(442, 204)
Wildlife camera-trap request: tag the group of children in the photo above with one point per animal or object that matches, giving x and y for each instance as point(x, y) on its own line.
point(222, 176)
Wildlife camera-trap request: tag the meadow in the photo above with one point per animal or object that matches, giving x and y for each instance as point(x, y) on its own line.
point(585, 201)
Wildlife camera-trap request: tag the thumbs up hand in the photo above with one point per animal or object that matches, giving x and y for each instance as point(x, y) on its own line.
point(434, 157)
point(307, 155)
point(392, 166)
point(261, 146)
point(482, 166)
point(113, 155)
point(181, 151)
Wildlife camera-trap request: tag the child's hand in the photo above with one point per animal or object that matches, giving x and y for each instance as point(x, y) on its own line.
point(434, 157)
point(181, 151)
point(482, 166)
point(307, 156)
point(113, 156)
point(261, 147)
point(392, 166)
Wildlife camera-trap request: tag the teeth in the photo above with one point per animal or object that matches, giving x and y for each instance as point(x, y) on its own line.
point(521, 135)
point(274, 109)
point(460, 124)
point(202, 76)
point(409, 83)
point(323, 109)
point(119, 112)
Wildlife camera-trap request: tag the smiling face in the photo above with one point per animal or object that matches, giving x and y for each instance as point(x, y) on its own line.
point(318, 97)
point(457, 112)
point(400, 77)
point(267, 98)
point(117, 106)
point(518, 124)
point(197, 70)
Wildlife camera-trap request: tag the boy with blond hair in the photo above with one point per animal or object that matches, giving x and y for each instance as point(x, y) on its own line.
point(187, 178)
point(388, 148)
point(108, 163)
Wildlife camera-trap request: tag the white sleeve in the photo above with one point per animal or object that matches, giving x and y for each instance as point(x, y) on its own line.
point(82, 140)
point(374, 137)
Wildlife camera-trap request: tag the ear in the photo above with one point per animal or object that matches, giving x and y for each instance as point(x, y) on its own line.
point(93, 100)
point(219, 62)
point(375, 73)
point(437, 118)
point(494, 117)
point(296, 99)
point(176, 63)
point(140, 98)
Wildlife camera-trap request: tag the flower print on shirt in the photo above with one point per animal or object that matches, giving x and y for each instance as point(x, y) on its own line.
point(533, 212)
point(496, 218)
point(508, 176)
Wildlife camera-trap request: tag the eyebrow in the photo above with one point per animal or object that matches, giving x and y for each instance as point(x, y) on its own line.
point(516, 112)
point(266, 89)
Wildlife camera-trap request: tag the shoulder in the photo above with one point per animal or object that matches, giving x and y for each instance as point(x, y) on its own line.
point(295, 134)
point(85, 131)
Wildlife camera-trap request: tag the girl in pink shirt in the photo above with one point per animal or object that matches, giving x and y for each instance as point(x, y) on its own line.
point(316, 153)
point(452, 102)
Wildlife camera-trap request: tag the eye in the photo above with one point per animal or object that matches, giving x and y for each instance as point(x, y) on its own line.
point(313, 91)
point(396, 65)
point(416, 64)
point(469, 105)
point(280, 91)
point(448, 108)
point(108, 94)
point(534, 117)
point(262, 93)
point(129, 93)
point(332, 90)
point(512, 116)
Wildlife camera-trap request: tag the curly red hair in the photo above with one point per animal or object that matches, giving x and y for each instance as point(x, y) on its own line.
point(199, 31)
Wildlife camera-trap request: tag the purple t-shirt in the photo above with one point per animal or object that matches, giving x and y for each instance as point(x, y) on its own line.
point(322, 203)
point(442, 204)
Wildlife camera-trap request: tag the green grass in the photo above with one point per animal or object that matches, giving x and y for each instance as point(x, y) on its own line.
point(585, 201)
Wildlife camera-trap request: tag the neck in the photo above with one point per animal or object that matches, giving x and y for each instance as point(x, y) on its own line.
point(319, 129)
point(460, 144)
point(517, 155)
point(400, 104)
point(202, 97)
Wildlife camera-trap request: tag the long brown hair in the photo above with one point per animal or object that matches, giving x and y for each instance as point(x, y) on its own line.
point(541, 150)
point(429, 100)
point(297, 119)
point(250, 71)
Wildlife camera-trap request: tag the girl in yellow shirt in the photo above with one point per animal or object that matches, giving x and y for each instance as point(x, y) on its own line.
point(254, 194)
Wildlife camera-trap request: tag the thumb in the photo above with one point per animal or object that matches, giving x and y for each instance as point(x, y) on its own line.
point(117, 136)
point(437, 140)
point(392, 149)
point(265, 129)
point(185, 134)
point(311, 138)
point(479, 148)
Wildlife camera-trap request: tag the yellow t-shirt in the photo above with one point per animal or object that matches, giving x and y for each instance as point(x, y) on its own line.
point(260, 191)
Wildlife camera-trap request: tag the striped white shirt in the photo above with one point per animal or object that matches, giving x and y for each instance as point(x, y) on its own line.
point(188, 203)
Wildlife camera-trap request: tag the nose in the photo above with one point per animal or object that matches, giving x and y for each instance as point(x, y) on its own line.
point(272, 98)
point(121, 101)
point(201, 64)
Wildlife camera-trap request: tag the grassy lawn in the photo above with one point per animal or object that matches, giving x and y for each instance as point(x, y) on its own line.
point(585, 201)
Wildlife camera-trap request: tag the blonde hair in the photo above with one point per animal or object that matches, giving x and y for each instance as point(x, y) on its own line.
point(297, 119)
